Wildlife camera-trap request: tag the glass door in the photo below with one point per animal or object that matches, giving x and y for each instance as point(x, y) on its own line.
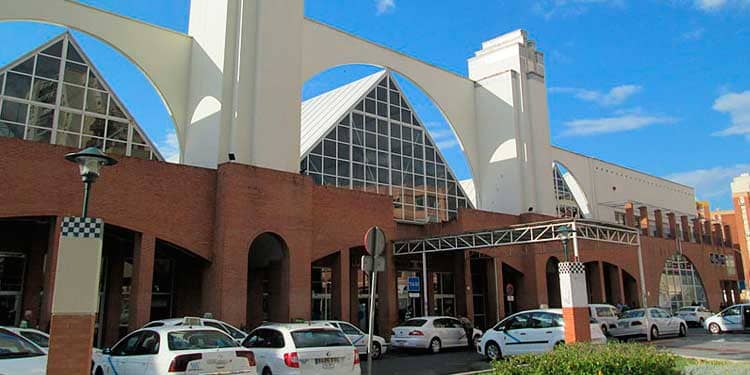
point(12, 267)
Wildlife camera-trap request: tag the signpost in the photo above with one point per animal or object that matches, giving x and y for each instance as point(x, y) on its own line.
point(372, 264)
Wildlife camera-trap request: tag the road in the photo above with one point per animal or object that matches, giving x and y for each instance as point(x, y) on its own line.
point(698, 343)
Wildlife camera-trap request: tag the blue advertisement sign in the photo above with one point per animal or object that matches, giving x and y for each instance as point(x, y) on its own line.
point(413, 286)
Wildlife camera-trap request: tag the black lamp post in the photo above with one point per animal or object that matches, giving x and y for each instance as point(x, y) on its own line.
point(564, 233)
point(90, 162)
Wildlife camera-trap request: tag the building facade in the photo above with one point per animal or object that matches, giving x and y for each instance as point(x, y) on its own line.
point(264, 217)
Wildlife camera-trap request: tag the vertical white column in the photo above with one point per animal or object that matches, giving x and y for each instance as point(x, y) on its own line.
point(574, 298)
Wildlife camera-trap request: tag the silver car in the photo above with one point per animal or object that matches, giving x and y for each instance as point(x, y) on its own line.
point(432, 333)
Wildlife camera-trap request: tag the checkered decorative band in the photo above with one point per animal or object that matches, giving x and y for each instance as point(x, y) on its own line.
point(571, 267)
point(82, 227)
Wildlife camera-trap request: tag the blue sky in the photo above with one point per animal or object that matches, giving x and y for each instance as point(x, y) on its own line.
point(661, 86)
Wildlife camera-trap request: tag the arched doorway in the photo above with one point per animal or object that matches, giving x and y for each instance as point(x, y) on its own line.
point(267, 280)
point(630, 289)
point(553, 282)
point(680, 285)
point(516, 301)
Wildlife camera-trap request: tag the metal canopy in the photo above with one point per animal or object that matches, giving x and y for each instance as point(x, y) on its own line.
point(520, 234)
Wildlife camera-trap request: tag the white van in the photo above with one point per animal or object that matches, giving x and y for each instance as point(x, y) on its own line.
point(605, 315)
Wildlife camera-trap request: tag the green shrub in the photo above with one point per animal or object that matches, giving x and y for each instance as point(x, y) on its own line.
point(588, 359)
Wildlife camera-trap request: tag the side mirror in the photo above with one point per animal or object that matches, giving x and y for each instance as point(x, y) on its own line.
point(107, 351)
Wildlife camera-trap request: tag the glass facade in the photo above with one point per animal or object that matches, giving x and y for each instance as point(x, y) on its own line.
point(381, 147)
point(680, 285)
point(566, 202)
point(55, 95)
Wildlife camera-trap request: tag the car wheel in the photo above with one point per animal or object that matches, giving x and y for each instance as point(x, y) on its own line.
point(714, 328)
point(99, 371)
point(683, 330)
point(267, 371)
point(701, 322)
point(492, 350)
point(558, 345)
point(435, 345)
point(377, 351)
point(654, 333)
point(475, 342)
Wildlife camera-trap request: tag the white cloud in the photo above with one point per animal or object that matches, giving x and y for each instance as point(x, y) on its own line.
point(625, 122)
point(615, 96)
point(717, 5)
point(737, 105)
point(569, 8)
point(712, 182)
point(691, 35)
point(384, 6)
point(170, 147)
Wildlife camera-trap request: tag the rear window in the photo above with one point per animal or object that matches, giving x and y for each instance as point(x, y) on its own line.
point(413, 323)
point(687, 309)
point(604, 312)
point(194, 340)
point(317, 338)
point(36, 338)
point(633, 314)
point(12, 346)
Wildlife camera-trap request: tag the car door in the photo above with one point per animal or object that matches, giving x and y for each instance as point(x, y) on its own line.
point(443, 330)
point(542, 333)
point(145, 353)
point(732, 318)
point(357, 337)
point(514, 333)
point(119, 361)
point(266, 344)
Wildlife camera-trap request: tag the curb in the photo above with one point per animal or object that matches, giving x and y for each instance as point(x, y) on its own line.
point(708, 359)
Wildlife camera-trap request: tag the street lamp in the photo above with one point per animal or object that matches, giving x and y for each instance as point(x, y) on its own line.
point(90, 162)
point(564, 233)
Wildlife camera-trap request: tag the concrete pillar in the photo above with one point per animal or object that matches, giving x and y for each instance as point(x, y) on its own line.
point(144, 251)
point(672, 225)
point(643, 222)
point(354, 293)
point(629, 215)
point(621, 286)
point(659, 222)
point(718, 237)
point(341, 294)
point(698, 230)
point(495, 297)
point(603, 283)
point(49, 275)
point(467, 292)
point(574, 300)
point(387, 296)
point(685, 224)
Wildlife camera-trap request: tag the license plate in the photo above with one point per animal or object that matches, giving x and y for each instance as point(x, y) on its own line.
point(327, 363)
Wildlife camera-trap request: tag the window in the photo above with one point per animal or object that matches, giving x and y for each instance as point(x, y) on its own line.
point(264, 338)
point(36, 338)
point(680, 285)
point(520, 321)
point(604, 312)
point(349, 329)
point(196, 340)
point(149, 344)
point(544, 320)
point(732, 311)
point(319, 338)
point(214, 325)
point(235, 333)
point(128, 345)
point(413, 323)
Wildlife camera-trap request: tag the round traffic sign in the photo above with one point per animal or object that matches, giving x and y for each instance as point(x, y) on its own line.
point(509, 289)
point(375, 241)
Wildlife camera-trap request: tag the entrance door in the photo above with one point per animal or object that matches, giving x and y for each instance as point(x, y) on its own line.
point(12, 266)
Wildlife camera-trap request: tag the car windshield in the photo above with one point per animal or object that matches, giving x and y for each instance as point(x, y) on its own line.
point(413, 323)
point(36, 338)
point(317, 338)
point(12, 346)
point(194, 340)
point(687, 309)
point(633, 314)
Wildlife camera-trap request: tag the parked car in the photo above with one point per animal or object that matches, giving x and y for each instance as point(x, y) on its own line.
point(175, 350)
point(237, 334)
point(651, 323)
point(733, 318)
point(433, 333)
point(19, 356)
point(605, 315)
point(38, 338)
point(694, 315)
point(359, 338)
point(532, 331)
point(302, 349)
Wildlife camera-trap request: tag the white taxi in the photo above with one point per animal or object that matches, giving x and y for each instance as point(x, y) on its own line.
point(533, 331)
point(187, 350)
point(433, 333)
point(359, 338)
point(302, 349)
point(37, 337)
point(19, 356)
point(237, 334)
point(651, 323)
point(694, 315)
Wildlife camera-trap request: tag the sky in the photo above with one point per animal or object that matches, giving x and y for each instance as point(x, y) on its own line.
point(661, 86)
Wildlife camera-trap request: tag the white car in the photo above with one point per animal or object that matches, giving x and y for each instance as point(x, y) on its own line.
point(432, 333)
point(733, 318)
point(237, 334)
point(533, 331)
point(605, 315)
point(359, 338)
point(19, 356)
point(651, 323)
point(302, 349)
point(694, 315)
point(38, 338)
point(188, 350)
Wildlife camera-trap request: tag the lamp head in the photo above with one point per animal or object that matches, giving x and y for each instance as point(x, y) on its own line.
point(90, 162)
point(564, 232)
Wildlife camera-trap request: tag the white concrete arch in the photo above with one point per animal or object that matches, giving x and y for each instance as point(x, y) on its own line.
point(325, 48)
point(162, 55)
